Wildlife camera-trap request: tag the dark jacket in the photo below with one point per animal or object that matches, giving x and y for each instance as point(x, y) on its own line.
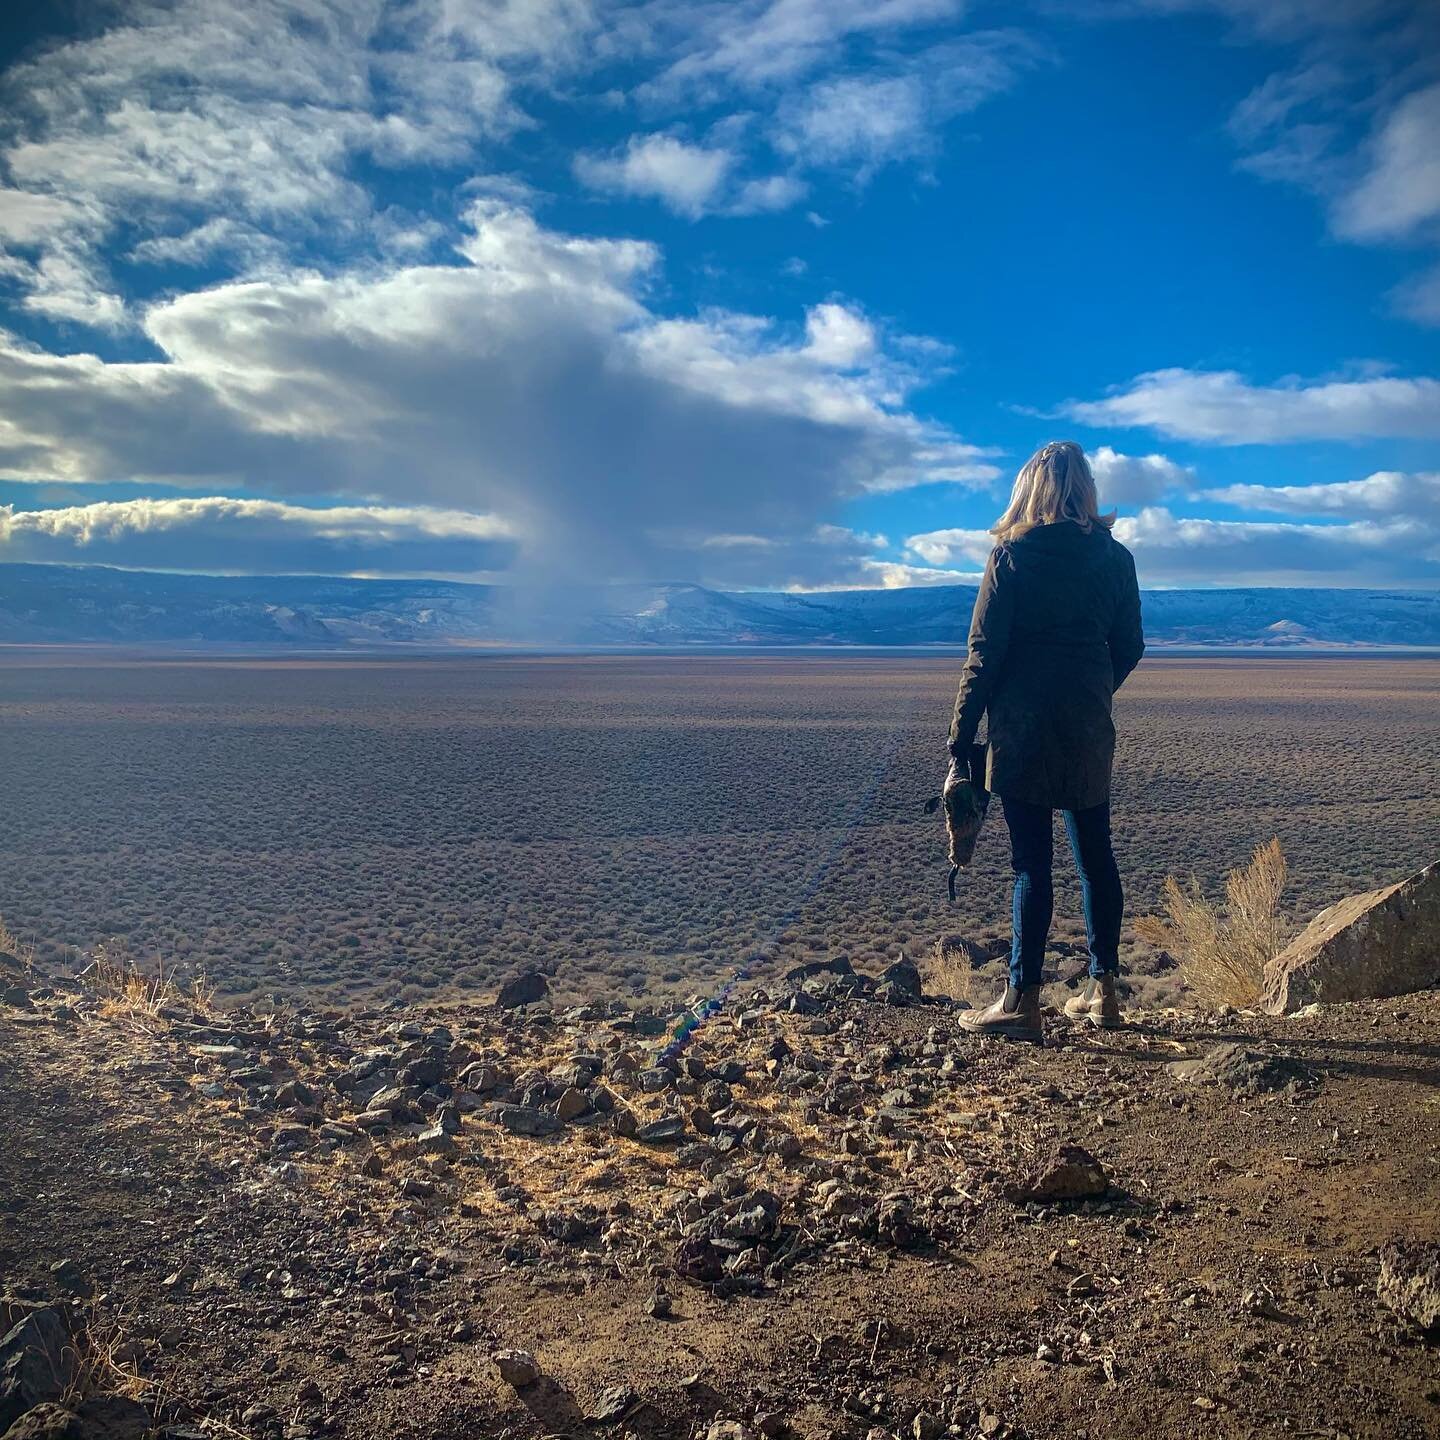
point(1055, 632)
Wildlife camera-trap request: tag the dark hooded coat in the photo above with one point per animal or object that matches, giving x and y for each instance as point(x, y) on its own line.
point(1056, 630)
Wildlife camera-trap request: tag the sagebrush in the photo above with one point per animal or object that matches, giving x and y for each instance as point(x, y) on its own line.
point(1223, 949)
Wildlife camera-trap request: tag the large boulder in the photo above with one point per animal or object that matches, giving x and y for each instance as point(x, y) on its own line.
point(38, 1363)
point(523, 989)
point(1384, 942)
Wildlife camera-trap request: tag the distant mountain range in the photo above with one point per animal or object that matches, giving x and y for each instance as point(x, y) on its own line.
point(64, 604)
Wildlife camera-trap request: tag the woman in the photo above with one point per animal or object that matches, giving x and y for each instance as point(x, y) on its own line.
point(1055, 632)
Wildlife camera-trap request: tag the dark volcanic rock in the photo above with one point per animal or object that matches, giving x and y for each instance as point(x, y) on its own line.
point(523, 989)
point(905, 979)
point(525, 1120)
point(1246, 1072)
point(46, 1422)
point(840, 965)
point(112, 1417)
point(661, 1132)
point(38, 1362)
point(1072, 1173)
point(698, 1260)
point(610, 1405)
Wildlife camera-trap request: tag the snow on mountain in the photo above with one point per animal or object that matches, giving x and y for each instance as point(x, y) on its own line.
point(60, 604)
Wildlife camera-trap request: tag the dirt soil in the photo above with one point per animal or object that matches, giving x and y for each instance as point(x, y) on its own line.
point(315, 1224)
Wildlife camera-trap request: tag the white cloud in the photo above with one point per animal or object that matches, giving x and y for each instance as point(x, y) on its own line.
point(1174, 550)
point(65, 283)
point(1398, 545)
point(895, 575)
point(220, 534)
point(1387, 492)
point(857, 119)
point(201, 244)
point(751, 44)
point(1400, 193)
point(253, 113)
point(1354, 119)
point(529, 380)
point(27, 219)
point(835, 335)
point(551, 32)
point(949, 547)
point(687, 178)
point(1225, 408)
point(1136, 479)
point(895, 112)
point(1419, 297)
point(691, 180)
point(235, 134)
point(948, 462)
point(766, 194)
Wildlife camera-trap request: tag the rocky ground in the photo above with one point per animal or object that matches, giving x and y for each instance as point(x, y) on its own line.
point(817, 1209)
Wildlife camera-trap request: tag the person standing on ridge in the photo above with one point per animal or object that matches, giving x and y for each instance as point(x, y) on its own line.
point(1056, 630)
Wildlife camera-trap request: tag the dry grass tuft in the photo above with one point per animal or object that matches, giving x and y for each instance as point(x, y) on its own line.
point(946, 970)
point(1223, 949)
point(107, 1363)
point(21, 951)
point(961, 969)
point(116, 976)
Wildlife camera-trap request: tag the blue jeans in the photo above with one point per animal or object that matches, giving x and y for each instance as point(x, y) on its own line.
point(1031, 852)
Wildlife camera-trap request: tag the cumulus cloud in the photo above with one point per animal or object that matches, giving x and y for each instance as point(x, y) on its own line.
point(29, 219)
point(1225, 408)
point(951, 547)
point(1387, 492)
point(1389, 535)
point(221, 535)
point(835, 335)
point(765, 194)
point(687, 178)
point(1170, 549)
point(692, 180)
point(529, 380)
point(1136, 479)
point(897, 575)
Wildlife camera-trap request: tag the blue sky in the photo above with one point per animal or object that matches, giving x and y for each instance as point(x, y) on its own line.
point(748, 292)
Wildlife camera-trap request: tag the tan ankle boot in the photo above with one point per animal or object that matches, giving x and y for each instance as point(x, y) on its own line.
point(1016, 1015)
point(1097, 1002)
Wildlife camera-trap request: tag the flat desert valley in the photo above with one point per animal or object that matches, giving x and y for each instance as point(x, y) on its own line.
point(366, 829)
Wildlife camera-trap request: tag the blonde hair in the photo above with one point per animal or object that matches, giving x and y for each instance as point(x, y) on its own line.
point(1055, 483)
